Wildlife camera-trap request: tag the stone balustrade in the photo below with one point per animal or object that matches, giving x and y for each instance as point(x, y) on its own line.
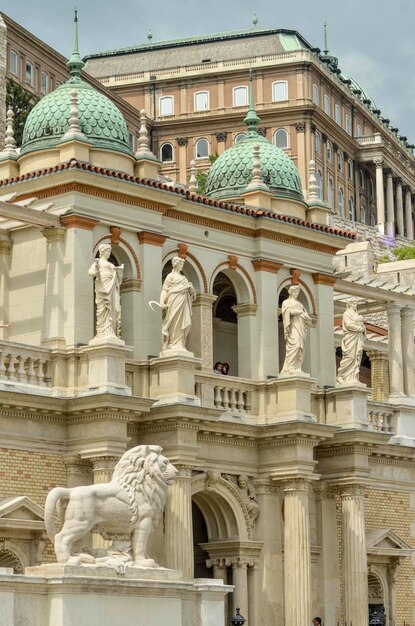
point(381, 417)
point(227, 393)
point(25, 365)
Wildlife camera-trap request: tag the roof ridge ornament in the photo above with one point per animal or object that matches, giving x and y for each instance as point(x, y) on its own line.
point(75, 63)
point(251, 120)
point(143, 138)
point(10, 146)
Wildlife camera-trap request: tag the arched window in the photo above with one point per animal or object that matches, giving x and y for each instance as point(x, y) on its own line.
point(341, 202)
point(166, 152)
point(166, 105)
point(351, 171)
point(338, 114)
point(331, 193)
point(280, 91)
point(202, 101)
point(316, 95)
point(240, 96)
point(351, 210)
point(281, 138)
point(340, 160)
point(327, 104)
point(239, 137)
point(202, 149)
point(318, 142)
point(362, 213)
point(14, 62)
point(319, 184)
point(372, 219)
point(329, 152)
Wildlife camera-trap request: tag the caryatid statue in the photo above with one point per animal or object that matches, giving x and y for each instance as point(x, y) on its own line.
point(354, 333)
point(108, 278)
point(176, 300)
point(296, 322)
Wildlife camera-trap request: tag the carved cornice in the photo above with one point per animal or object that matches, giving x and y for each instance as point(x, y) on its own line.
point(152, 239)
point(351, 491)
point(104, 463)
point(75, 465)
point(378, 162)
point(242, 310)
point(79, 221)
point(323, 279)
point(265, 486)
point(264, 265)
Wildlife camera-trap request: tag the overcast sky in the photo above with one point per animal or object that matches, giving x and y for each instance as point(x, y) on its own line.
point(373, 39)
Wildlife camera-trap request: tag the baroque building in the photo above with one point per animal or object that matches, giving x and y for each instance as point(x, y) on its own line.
point(296, 490)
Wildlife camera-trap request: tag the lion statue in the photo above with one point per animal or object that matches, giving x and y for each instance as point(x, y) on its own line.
point(130, 505)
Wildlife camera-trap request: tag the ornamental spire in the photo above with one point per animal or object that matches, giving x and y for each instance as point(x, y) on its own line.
point(192, 187)
point(257, 182)
point(326, 48)
point(251, 120)
point(143, 138)
point(75, 63)
point(10, 141)
point(313, 194)
point(74, 129)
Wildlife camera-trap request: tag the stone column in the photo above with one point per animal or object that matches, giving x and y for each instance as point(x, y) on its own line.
point(102, 469)
point(54, 307)
point(308, 148)
point(201, 333)
point(247, 346)
point(354, 562)
point(6, 245)
point(390, 209)
point(240, 581)
point(409, 225)
point(325, 176)
point(301, 153)
point(407, 331)
point(220, 571)
point(379, 375)
point(182, 160)
point(266, 328)
point(178, 520)
point(357, 192)
point(297, 589)
point(149, 330)
point(399, 208)
point(395, 350)
point(380, 196)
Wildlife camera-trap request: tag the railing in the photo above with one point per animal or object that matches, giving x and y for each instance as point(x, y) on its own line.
point(381, 417)
point(230, 394)
point(25, 365)
point(369, 140)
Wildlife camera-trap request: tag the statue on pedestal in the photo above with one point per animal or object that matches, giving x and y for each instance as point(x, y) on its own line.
point(124, 510)
point(176, 300)
point(354, 333)
point(296, 322)
point(108, 278)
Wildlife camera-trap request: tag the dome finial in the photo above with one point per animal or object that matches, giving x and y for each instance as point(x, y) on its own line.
point(251, 120)
point(192, 186)
point(257, 182)
point(74, 129)
point(75, 63)
point(10, 141)
point(326, 48)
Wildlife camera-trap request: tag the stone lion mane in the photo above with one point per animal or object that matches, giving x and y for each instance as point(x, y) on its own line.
point(130, 504)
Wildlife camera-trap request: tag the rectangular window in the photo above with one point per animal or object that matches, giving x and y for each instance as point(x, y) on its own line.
point(280, 91)
point(240, 96)
point(44, 83)
point(201, 101)
point(29, 73)
point(14, 62)
point(327, 104)
point(338, 113)
point(166, 105)
point(348, 124)
point(316, 95)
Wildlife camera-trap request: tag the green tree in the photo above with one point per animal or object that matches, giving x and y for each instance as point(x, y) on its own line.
point(201, 177)
point(21, 102)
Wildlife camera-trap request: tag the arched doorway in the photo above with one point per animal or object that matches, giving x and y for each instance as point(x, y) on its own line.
point(377, 601)
point(225, 324)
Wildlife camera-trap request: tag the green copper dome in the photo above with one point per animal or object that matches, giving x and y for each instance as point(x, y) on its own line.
point(100, 120)
point(232, 171)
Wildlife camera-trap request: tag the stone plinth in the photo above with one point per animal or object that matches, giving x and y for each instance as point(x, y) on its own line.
point(294, 398)
point(347, 406)
point(404, 423)
point(48, 597)
point(106, 366)
point(173, 378)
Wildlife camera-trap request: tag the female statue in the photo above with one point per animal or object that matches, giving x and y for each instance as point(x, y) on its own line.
point(296, 321)
point(176, 300)
point(354, 333)
point(108, 278)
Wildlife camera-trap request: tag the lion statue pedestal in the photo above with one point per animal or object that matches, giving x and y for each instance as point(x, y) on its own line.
point(122, 585)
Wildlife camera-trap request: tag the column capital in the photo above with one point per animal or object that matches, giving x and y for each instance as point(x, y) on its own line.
point(153, 239)
point(377, 355)
point(54, 235)
point(73, 220)
point(378, 162)
point(103, 463)
point(393, 308)
point(242, 310)
point(182, 141)
point(292, 485)
point(204, 299)
point(407, 311)
point(76, 465)
point(239, 562)
point(351, 491)
point(6, 243)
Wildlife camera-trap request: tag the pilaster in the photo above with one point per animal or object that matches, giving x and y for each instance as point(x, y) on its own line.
point(379, 375)
point(395, 351)
point(6, 246)
point(201, 332)
point(407, 331)
point(266, 327)
point(178, 520)
point(54, 304)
